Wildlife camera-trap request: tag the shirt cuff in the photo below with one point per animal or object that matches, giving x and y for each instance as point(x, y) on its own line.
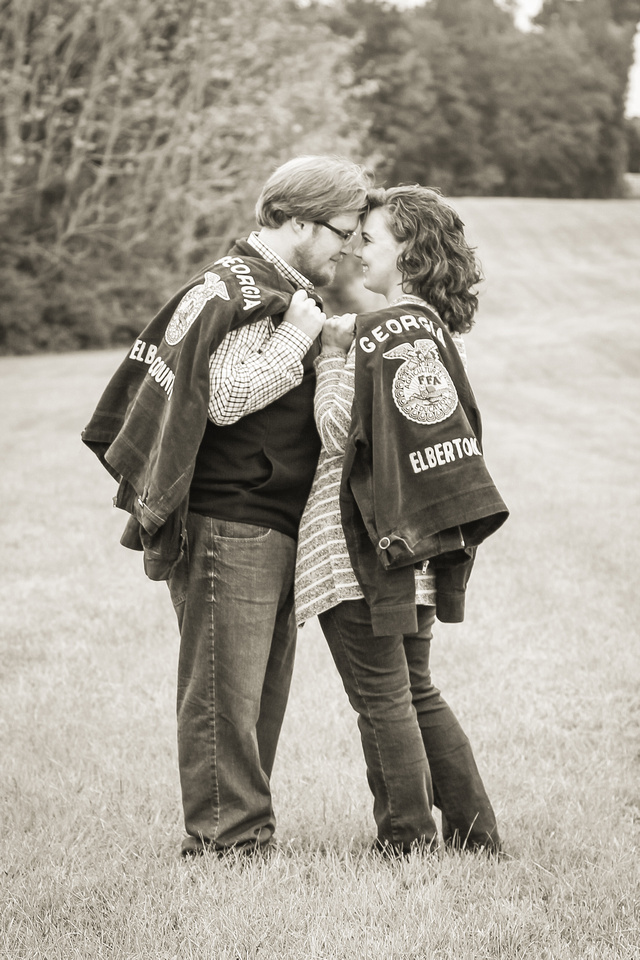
point(334, 352)
point(295, 337)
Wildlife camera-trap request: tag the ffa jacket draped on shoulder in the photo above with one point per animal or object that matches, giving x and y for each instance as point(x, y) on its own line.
point(150, 421)
point(415, 485)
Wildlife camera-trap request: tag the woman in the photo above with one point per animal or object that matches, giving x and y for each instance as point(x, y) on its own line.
point(413, 252)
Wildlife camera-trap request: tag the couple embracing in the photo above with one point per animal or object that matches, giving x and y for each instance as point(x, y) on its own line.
point(278, 464)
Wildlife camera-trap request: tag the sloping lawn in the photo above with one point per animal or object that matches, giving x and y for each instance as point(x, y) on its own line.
point(544, 673)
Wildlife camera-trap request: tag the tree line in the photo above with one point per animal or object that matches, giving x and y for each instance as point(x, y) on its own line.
point(135, 134)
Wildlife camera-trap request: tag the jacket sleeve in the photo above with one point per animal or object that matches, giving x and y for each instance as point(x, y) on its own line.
point(149, 422)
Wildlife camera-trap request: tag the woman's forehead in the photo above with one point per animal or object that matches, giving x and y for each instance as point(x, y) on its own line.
point(375, 221)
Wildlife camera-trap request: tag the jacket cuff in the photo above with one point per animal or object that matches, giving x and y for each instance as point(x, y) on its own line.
point(450, 606)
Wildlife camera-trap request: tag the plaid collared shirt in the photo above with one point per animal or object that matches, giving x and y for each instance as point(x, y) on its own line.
point(257, 363)
point(298, 279)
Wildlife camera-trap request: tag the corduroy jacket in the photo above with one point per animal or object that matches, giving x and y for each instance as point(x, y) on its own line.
point(150, 420)
point(415, 485)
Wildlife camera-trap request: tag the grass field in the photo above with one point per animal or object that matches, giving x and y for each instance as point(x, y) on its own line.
point(544, 674)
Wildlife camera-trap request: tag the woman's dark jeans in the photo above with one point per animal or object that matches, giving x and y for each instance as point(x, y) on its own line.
point(416, 752)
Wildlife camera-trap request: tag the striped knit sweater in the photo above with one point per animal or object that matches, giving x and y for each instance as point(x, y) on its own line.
point(324, 575)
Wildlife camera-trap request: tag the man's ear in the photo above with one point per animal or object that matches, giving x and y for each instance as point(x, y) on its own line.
point(300, 227)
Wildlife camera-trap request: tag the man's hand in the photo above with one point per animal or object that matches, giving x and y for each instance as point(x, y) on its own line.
point(305, 314)
point(338, 332)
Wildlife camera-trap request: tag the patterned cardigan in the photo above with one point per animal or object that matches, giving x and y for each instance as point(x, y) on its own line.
point(324, 575)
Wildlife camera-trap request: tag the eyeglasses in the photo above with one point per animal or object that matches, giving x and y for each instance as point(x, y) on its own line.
point(345, 235)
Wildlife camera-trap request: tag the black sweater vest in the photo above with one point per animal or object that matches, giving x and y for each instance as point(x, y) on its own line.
point(260, 469)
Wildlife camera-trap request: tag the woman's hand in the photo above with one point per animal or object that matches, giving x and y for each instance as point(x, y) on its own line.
point(338, 332)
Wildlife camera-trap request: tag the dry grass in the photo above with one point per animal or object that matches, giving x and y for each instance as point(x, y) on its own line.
point(543, 674)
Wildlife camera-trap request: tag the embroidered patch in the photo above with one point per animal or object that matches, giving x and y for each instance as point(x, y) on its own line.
point(423, 391)
point(190, 307)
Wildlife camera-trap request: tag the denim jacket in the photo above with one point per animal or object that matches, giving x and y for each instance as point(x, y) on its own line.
point(150, 420)
point(415, 485)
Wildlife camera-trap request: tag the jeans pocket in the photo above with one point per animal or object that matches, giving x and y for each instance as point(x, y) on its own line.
point(233, 530)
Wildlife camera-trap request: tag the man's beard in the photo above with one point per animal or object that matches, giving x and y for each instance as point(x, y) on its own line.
point(320, 274)
point(320, 278)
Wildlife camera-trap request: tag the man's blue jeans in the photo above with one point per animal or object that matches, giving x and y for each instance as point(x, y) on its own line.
point(415, 750)
point(233, 596)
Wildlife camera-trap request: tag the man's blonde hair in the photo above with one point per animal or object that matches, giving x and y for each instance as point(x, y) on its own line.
point(313, 188)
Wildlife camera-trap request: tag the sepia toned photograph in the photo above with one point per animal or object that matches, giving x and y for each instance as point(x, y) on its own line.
point(320, 389)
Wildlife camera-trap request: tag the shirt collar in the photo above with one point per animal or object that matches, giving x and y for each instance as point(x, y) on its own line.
point(298, 279)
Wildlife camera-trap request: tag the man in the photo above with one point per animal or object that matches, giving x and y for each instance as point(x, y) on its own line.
point(208, 427)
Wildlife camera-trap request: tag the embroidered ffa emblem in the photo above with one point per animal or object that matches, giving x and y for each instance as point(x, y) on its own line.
point(189, 308)
point(423, 391)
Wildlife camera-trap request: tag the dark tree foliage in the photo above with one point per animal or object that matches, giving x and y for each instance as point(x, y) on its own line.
point(633, 144)
point(134, 138)
point(394, 85)
point(602, 32)
point(586, 12)
point(135, 134)
point(460, 98)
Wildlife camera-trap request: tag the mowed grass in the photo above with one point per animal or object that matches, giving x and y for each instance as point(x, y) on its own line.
point(544, 673)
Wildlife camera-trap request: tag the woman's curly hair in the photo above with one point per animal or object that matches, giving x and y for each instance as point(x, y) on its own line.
point(437, 263)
